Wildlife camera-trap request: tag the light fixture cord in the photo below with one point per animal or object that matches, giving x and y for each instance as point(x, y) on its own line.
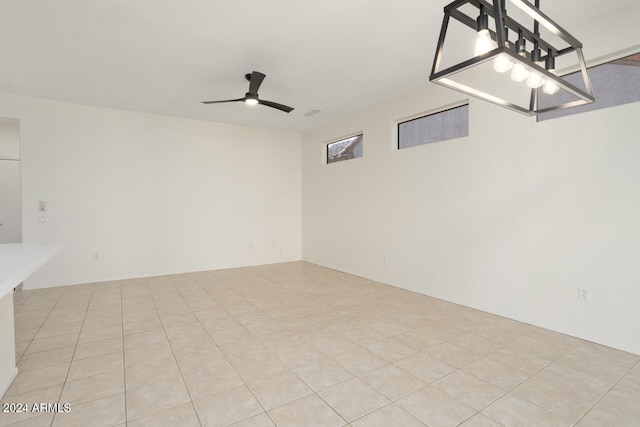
point(536, 24)
point(503, 6)
point(535, 53)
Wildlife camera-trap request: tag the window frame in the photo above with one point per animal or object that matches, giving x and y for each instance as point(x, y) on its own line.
point(326, 153)
point(440, 110)
point(581, 109)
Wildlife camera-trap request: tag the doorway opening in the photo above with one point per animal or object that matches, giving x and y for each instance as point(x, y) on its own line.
point(10, 182)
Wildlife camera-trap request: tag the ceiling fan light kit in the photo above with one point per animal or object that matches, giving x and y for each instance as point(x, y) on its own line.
point(251, 97)
point(532, 86)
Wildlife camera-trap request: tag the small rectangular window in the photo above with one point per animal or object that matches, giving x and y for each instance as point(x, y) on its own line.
point(440, 126)
point(345, 149)
point(614, 83)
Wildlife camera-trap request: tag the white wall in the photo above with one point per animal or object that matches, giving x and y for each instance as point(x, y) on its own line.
point(133, 194)
point(10, 206)
point(510, 220)
point(9, 138)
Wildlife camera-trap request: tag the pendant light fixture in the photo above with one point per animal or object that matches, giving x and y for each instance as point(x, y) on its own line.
point(501, 70)
point(483, 38)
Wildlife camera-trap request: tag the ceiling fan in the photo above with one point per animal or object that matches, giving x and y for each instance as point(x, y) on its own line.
point(255, 80)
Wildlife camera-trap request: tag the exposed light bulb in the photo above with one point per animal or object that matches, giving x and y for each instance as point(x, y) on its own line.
point(519, 73)
point(483, 38)
point(502, 63)
point(483, 43)
point(251, 101)
point(535, 80)
point(550, 87)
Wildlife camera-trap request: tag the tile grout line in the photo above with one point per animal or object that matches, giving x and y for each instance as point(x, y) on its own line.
point(227, 359)
point(284, 364)
point(510, 391)
point(40, 327)
point(607, 391)
point(173, 352)
point(595, 402)
point(31, 341)
point(64, 384)
point(332, 358)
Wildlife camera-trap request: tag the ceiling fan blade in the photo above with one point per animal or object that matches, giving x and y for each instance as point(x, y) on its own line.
point(226, 100)
point(280, 107)
point(255, 81)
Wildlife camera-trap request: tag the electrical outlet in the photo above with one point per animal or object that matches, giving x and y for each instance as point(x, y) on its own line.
point(584, 294)
point(385, 257)
point(96, 257)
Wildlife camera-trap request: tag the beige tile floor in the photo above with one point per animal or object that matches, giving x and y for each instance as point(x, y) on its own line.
point(299, 345)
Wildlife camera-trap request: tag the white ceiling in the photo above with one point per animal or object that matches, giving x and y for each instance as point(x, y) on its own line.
point(165, 56)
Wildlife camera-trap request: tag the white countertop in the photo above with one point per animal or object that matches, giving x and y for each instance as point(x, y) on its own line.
point(20, 260)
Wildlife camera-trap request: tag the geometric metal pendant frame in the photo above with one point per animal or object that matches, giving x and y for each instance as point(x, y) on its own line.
point(499, 34)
